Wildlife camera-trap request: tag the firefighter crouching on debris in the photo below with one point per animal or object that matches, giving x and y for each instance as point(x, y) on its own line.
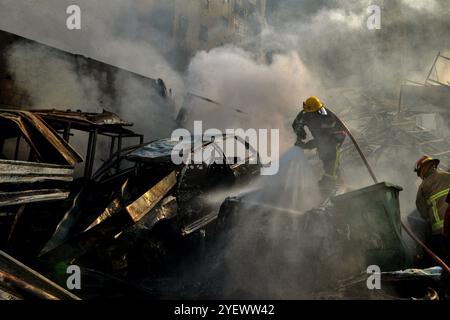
point(431, 200)
point(328, 136)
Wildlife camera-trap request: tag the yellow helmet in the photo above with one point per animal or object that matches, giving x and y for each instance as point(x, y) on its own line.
point(312, 104)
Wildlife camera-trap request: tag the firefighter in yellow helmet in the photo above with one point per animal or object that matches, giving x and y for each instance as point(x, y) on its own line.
point(328, 135)
point(431, 200)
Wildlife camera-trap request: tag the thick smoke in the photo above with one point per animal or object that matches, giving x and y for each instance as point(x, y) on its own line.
point(308, 48)
point(334, 41)
point(112, 31)
point(314, 46)
point(51, 81)
point(335, 49)
point(252, 94)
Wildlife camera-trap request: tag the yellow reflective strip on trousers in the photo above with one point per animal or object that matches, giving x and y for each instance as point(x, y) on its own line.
point(337, 162)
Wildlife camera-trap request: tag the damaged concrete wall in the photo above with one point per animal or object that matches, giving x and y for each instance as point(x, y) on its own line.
point(33, 75)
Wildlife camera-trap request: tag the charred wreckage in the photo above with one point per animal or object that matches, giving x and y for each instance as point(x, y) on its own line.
point(139, 225)
point(135, 214)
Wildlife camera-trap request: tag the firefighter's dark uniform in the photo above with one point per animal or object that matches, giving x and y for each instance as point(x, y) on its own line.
point(431, 197)
point(431, 203)
point(328, 134)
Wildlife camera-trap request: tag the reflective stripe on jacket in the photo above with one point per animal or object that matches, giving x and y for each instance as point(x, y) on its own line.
point(431, 197)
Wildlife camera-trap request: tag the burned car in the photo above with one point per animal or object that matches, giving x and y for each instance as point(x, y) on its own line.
point(154, 206)
point(198, 183)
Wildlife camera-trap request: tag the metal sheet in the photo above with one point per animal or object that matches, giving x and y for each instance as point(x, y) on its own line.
point(65, 150)
point(30, 196)
point(151, 198)
point(111, 210)
point(64, 228)
point(16, 268)
point(167, 209)
point(198, 224)
point(139, 208)
point(30, 172)
point(44, 141)
point(106, 118)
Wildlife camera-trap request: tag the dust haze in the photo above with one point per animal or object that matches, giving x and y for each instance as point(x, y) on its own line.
point(308, 48)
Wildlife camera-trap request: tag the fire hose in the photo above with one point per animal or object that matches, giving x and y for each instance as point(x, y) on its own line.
point(363, 157)
point(405, 227)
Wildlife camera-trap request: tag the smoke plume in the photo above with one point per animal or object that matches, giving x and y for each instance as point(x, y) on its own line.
point(308, 48)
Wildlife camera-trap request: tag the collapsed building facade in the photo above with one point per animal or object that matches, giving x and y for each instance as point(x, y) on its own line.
point(135, 221)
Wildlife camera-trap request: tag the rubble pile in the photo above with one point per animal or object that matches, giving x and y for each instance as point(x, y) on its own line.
point(136, 214)
point(418, 120)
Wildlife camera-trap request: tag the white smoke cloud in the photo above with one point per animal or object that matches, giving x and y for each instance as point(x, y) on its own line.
point(270, 95)
point(340, 17)
point(311, 46)
point(427, 5)
point(49, 80)
point(112, 31)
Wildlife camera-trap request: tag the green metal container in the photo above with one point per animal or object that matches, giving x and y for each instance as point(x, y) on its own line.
point(370, 220)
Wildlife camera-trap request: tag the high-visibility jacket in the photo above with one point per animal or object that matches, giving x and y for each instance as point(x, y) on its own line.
point(431, 198)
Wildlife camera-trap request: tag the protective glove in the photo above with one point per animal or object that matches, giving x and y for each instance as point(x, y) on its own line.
point(301, 134)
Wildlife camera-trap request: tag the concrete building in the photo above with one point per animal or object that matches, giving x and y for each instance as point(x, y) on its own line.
point(206, 24)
